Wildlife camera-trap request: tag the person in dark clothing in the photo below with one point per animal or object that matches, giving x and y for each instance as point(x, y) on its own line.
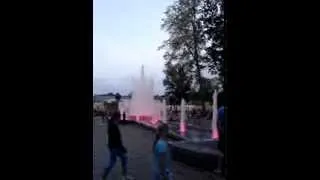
point(124, 116)
point(157, 136)
point(104, 116)
point(221, 129)
point(116, 147)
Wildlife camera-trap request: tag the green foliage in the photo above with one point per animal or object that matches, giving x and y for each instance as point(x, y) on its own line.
point(130, 95)
point(195, 43)
point(117, 97)
point(110, 94)
point(212, 21)
point(206, 94)
point(177, 82)
point(184, 43)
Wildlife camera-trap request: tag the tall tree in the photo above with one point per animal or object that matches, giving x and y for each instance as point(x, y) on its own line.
point(177, 82)
point(185, 38)
point(212, 25)
point(185, 41)
point(130, 95)
point(110, 94)
point(209, 84)
point(196, 34)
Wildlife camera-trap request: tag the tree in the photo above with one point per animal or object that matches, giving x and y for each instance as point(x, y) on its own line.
point(130, 95)
point(110, 94)
point(118, 97)
point(172, 99)
point(195, 42)
point(177, 82)
point(212, 25)
point(209, 85)
point(185, 41)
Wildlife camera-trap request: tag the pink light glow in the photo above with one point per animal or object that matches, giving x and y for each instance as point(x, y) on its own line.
point(182, 133)
point(215, 134)
point(154, 120)
point(182, 126)
point(132, 117)
point(145, 119)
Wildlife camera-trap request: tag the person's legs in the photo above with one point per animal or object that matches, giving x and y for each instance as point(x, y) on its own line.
point(219, 168)
point(221, 147)
point(156, 176)
point(124, 162)
point(223, 166)
point(112, 162)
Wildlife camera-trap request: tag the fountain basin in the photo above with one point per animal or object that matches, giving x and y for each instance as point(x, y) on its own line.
point(200, 152)
point(204, 154)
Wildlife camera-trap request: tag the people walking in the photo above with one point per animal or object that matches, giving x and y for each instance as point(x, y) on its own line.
point(161, 153)
point(124, 115)
point(116, 148)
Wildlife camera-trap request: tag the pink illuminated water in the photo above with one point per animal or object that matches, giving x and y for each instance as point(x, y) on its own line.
point(215, 134)
point(182, 126)
point(183, 133)
point(183, 116)
point(142, 106)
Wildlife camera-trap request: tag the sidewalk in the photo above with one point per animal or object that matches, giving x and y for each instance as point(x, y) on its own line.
point(138, 141)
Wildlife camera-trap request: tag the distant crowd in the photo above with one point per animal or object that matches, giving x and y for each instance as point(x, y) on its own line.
point(193, 116)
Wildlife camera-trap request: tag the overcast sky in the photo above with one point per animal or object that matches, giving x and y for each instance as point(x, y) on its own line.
point(126, 34)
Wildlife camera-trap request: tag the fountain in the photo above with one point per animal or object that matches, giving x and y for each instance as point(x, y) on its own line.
point(183, 117)
point(190, 144)
point(142, 107)
point(164, 111)
point(199, 146)
point(215, 134)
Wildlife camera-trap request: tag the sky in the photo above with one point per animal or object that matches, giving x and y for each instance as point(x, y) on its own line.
point(126, 34)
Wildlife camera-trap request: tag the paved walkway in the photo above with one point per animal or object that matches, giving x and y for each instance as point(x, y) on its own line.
point(138, 142)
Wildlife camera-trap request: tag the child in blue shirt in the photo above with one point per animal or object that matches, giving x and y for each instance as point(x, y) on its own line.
point(161, 151)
